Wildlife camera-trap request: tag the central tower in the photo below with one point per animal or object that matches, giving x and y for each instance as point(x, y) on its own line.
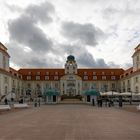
point(70, 65)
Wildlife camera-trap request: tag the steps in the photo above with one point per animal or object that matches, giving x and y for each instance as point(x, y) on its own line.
point(71, 101)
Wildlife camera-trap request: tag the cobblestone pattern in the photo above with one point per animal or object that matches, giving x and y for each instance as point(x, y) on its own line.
point(70, 122)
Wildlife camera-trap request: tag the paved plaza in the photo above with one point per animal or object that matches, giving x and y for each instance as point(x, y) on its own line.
point(70, 122)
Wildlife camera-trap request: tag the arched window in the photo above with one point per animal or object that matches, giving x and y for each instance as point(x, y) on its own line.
point(5, 90)
point(137, 90)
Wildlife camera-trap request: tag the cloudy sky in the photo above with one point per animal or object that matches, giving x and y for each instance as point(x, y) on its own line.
point(99, 33)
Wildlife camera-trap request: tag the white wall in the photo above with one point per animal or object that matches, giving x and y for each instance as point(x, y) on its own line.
point(1, 58)
point(6, 60)
point(136, 63)
point(133, 83)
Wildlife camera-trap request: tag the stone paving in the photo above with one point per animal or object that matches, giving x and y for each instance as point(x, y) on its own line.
point(70, 122)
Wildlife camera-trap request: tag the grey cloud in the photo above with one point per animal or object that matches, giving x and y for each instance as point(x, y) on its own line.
point(18, 55)
point(36, 62)
point(112, 64)
point(101, 63)
point(24, 31)
point(87, 34)
point(83, 57)
point(37, 13)
point(40, 12)
point(30, 59)
point(33, 60)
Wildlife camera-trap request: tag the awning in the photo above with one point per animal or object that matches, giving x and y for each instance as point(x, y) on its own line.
point(51, 92)
point(93, 92)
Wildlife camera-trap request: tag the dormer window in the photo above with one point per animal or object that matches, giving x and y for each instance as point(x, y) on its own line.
point(29, 73)
point(56, 73)
point(85, 73)
point(46, 77)
point(94, 73)
point(55, 77)
point(94, 77)
point(37, 77)
point(112, 72)
point(38, 73)
point(103, 77)
point(28, 77)
point(126, 74)
point(113, 77)
point(85, 77)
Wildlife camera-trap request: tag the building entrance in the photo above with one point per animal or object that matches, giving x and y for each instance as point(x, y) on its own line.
point(71, 88)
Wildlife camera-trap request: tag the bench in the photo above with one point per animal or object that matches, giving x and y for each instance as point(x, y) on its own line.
point(5, 107)
point(138, 107)
point(21, 105)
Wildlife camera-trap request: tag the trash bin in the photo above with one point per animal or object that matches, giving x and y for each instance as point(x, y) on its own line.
point(120, 102)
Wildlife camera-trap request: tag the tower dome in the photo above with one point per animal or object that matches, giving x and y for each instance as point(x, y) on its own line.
point(70, 58)
point(70, 65)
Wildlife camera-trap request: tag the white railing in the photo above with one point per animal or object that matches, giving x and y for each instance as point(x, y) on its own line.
point(5, 107)
point(21, 105)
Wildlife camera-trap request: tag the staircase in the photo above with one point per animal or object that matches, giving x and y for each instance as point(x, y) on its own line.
point(71, 101)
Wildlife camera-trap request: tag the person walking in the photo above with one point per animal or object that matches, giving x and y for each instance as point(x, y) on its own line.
point(120, 101)
point(101, 102)
point(6, 101)
point(35, 103)
point(93, 102)
point(39, 102)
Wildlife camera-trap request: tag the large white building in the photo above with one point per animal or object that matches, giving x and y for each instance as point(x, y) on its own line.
point(69, 80)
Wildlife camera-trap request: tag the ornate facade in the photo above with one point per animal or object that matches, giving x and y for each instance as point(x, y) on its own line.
point(69, 80)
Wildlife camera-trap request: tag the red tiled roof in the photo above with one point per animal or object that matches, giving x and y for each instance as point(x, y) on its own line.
point(129, 72)
point(99, 73)
point(42, 71)
point(60, 72)
point(14, 72)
